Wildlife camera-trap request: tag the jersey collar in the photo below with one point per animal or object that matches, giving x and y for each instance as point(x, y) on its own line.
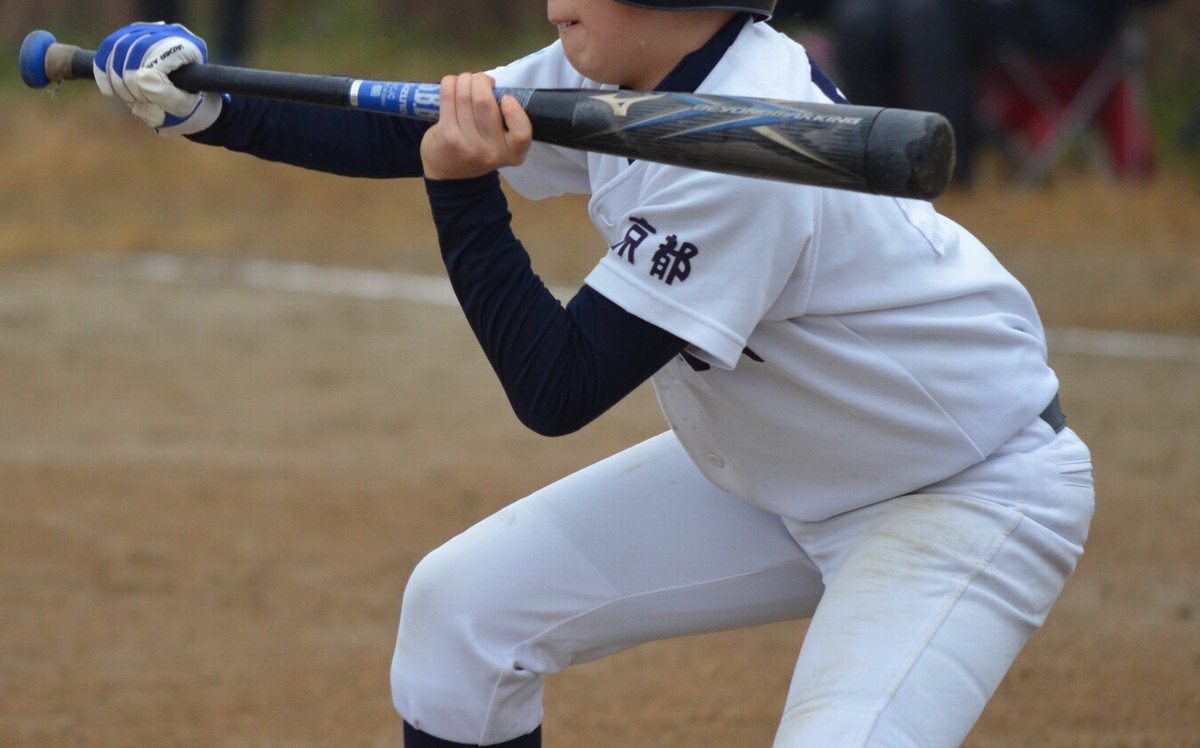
point(695, 66)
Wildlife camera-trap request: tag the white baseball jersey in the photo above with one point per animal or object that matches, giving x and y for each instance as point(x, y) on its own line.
point(844, 348)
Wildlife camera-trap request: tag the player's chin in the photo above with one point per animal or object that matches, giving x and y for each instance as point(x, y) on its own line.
point(588, 64)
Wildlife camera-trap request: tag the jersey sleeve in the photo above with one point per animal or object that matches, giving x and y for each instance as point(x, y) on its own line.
point(705, 256)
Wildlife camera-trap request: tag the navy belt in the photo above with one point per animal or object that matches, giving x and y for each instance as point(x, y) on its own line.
point(1053, 415)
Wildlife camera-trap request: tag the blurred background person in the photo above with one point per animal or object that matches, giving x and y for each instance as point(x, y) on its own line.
point(800, 12)
point(232, 24)
point(927, 54)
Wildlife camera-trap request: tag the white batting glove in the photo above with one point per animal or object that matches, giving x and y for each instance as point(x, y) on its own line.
point(133, 63)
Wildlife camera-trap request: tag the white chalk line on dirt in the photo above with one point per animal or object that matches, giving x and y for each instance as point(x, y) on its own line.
point(435, 291)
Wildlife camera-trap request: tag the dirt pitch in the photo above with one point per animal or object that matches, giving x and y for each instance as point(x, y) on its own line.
point(215, 480)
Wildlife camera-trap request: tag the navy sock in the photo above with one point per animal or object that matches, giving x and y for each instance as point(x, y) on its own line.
point(414, 738)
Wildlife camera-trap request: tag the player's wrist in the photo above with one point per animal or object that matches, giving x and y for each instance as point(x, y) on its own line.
point(207, 112)
point(464, 187)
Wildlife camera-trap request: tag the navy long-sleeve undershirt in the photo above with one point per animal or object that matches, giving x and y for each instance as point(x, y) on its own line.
point(560, 367)
point(337, 141)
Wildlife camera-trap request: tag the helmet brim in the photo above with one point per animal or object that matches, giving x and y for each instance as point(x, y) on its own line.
point(760, 9)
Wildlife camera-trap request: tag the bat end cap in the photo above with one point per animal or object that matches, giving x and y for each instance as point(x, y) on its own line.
point(33, 58)
point(910, 154)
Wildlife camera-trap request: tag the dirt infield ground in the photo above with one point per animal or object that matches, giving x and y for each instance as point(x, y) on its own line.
point(216, 475)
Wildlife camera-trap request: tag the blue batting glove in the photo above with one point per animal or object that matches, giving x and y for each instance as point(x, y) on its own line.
point(134, 63)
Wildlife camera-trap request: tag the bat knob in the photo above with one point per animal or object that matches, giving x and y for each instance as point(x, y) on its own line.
point(33, 58)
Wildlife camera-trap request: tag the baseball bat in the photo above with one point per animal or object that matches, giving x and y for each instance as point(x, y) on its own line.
point(886, 151)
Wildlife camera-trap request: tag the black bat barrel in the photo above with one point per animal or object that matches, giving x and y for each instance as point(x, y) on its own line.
point(867, 149)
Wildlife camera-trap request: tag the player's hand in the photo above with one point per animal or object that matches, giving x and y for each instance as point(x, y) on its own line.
point(133, 64)
point(475, 134)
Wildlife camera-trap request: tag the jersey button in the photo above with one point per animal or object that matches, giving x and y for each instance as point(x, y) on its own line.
point(715, 460)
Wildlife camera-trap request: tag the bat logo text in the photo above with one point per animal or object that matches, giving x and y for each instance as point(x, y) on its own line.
point(620, 102)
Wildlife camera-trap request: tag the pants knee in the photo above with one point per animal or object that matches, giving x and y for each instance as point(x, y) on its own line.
point(445, 598)
point(455, 672)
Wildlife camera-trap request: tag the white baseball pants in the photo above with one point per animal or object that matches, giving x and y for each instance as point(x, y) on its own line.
point(919, 604)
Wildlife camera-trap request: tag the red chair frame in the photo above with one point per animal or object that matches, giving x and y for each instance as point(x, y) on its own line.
point(1038, 109)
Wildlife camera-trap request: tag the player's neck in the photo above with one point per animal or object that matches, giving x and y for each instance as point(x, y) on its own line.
point(689, 31)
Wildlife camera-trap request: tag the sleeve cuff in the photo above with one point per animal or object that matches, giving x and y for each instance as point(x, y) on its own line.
point(458, 190)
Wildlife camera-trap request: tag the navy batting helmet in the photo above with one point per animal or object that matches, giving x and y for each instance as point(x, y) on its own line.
point(762, 9)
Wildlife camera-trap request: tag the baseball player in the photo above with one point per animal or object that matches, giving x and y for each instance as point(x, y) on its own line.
point(863, 428)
